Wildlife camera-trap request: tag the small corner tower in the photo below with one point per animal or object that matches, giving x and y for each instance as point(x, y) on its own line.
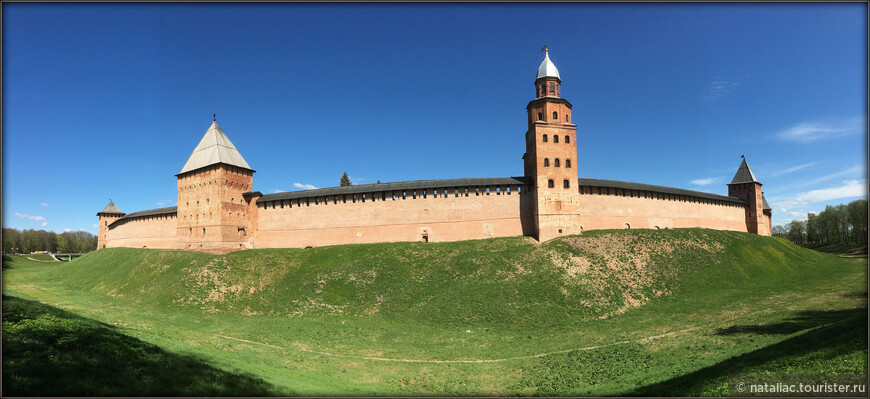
point(212, 212)
point(551, 156)
point(746, 187)
point(107, 216)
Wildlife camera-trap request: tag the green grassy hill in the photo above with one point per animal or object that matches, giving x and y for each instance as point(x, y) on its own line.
point(609, 313)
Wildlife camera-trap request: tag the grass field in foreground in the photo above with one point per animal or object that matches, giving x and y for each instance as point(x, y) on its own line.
point(610, 313)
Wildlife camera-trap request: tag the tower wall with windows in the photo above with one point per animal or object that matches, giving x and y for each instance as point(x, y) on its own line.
point(212, 212)
point(551, 161)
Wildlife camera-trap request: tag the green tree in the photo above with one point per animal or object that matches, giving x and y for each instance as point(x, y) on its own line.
point(345, 180)
point(779, 231)
point(797, 231)
point(858, 218)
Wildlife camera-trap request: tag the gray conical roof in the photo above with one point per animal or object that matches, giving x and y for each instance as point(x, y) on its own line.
point(764, 205)
point(111, 209)
point(744, 174)
point(215, 147)
point(547, 68)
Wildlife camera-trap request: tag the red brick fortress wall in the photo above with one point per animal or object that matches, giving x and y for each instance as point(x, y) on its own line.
point(456, 213)
point(616, 208)
point(153, 231)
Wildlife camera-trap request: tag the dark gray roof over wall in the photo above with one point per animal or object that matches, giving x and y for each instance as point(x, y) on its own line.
point(399, 186)
point(765, 205)
point(659, 189)
point(484, 181)
point(151, 212)
point(744, 174)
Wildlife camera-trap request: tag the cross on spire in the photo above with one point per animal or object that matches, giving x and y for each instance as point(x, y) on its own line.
point(545, 49)
point(214, 117)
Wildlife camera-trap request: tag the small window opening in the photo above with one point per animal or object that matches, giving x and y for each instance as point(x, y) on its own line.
point(567, 163)
point(550, 183)
point(556, 162)
point(555, 138)
point(567, 139)
point(203, 231)
point(555, 116)
point(546, 161)
point(545, 138)
point(566, 183)
point(552, 88)
point(540, 116)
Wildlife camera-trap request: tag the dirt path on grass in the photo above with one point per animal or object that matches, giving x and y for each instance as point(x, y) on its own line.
point(386, 359)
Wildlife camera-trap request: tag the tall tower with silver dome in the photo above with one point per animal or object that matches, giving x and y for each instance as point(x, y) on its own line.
point(551, 156)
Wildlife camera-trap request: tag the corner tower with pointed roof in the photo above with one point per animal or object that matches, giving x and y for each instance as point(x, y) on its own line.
point(745, 186)
point(212, 213)
point(107, 216)
point(551, 156)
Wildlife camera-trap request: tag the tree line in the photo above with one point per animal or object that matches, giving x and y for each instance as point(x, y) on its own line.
point(26, 241)
point(844, 223)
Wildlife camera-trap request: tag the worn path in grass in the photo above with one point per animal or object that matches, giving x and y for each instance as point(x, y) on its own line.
point(609, 313)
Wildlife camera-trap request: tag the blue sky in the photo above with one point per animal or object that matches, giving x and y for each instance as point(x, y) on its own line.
point(108, 100)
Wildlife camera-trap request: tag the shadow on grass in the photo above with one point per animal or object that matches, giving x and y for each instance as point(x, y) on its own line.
point(51, 352)
point(802, 321)
point(839, 332)
point(7, 262)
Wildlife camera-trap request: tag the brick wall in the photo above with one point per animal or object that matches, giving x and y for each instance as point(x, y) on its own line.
point(447, 216)
point(612, 208)
point(155, 231)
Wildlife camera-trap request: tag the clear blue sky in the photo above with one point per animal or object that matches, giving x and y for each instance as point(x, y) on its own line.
point(108, 100)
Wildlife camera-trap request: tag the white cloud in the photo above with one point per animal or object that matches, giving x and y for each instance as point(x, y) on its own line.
point(165, 202)
point(44, 204)
point(356, 180)
point(66, 230)
point(811, 131)
point(849, 188)
point(33, 218)
point(718, 89)
point(704, 181)
point(793, 169)
point(304, 186)
point(94, 226)
point(277, 191)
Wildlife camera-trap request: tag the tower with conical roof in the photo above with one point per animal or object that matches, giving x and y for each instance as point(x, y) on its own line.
point(745, 186)
point(107, 216)
point(551, 156)
point(212, 213)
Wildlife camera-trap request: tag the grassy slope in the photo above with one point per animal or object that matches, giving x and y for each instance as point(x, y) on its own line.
point(850, 249)
point(484, 299)
point(51, 352)
point(39, 257)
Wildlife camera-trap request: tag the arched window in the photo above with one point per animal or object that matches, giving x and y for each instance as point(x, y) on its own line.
point(555, 116)
point(550, 183)
point(545, 138)
point(543, 90)
point(567, 163)
point(567, 139)
point(556, 163)
point(555, 138)
point(566, 183)
point(546, 161)
point(540, 116)
point(552, 88)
